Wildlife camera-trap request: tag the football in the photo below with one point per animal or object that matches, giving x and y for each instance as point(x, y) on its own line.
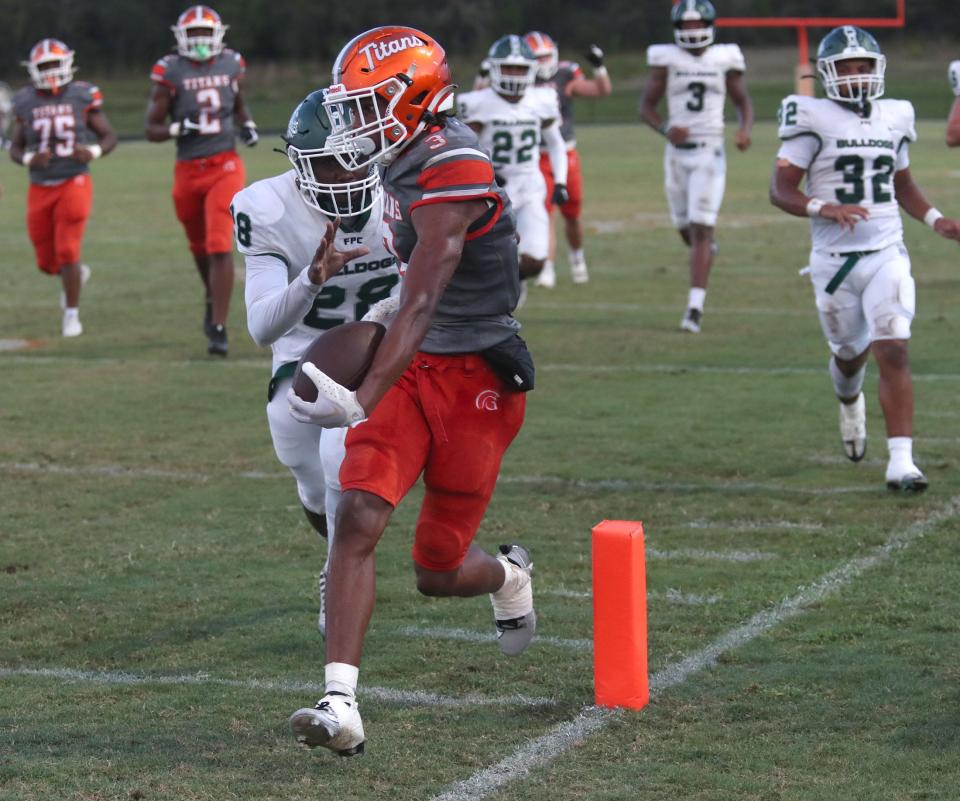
point(344, 353)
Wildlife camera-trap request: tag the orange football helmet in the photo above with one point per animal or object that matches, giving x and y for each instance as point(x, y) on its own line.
point(50, 65)
point(546, 51)
point(199, 32)
point(389, 84)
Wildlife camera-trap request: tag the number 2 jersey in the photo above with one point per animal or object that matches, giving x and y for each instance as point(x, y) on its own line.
point(278, 234)
point(206, 92)
point(697, 85)
point(849, 159)
point(57, 123)
point(511, 131)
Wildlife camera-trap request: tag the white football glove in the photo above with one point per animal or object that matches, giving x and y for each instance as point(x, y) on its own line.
point(335, 406)
point(383, 311)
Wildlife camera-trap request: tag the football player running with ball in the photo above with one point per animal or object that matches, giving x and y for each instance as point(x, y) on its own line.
point(569, 81)
point(59, 128)
point(197, 100)
point(853, 150)
point(315, 258)
point(512, 117)
point(696, 75)
point(443, 398)
point(953, 121)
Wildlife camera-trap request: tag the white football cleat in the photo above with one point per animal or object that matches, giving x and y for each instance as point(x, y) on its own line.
point(333, 723)
point(578, 271)
point(853, 428)
point(84, 277)
point(322, 592)
point(908, 479)
point(71, 325)
point(547, 277)
point(513, 612)
point(691, 321)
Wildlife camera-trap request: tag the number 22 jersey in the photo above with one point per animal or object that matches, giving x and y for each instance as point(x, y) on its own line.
point(204, 91)
point(850, 159)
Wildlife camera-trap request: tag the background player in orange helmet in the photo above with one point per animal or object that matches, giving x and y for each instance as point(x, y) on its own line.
point(570, 81)
point(197, 100)
point(59, 129)
point(432, 402)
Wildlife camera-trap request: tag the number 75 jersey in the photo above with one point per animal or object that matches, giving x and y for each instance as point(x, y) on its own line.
point(849, 159)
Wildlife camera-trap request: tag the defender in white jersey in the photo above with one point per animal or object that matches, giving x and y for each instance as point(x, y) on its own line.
point(512, 117)
point(853, 150)
point(696, 75)
point(953, 121)
point(301, 282)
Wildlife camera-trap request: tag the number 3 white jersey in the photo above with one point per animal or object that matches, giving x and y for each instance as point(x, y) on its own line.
point(697, 85)
point(850, 159)
point(954, 74)
point(278, 234)
point(511, 131)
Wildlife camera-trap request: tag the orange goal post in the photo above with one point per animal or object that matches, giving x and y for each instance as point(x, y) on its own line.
point(803, 24)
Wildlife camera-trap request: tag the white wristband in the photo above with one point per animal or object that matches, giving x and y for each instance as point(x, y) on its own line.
point(174, 130)
point(95, 151)
point(600, 71)
point(813, 206)
point(931, 217)
point(27, 157)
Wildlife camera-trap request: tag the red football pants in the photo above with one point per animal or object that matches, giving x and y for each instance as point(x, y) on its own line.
point(56, 219)
point(203, 190)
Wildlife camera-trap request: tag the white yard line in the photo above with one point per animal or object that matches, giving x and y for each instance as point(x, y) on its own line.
point(613, 485)
point(711, 556)
point(562, 737)
point(385, 694)
point(465, 635)
point(670, 595)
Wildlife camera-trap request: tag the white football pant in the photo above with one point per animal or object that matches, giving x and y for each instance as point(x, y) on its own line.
point(694, 181)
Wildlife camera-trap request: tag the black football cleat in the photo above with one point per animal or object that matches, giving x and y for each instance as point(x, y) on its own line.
point(217, 341)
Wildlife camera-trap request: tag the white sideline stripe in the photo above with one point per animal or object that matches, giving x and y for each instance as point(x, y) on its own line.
point(755, 525)
point(764, 311)
point(715, 556)
point(616, 485)
point(670, 595)
point(465, 635)
point(564, 736)
point(385, 694)
point(645, 368)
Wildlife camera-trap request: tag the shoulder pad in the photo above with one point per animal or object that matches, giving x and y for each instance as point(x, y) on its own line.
point(660, 55)
point(546, 101)
point(796, 116)
point(954, 73)
point(901, 117)
point(262, 203)
point(733, 57)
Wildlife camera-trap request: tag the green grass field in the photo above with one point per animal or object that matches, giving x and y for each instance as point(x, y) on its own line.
point(156, 596)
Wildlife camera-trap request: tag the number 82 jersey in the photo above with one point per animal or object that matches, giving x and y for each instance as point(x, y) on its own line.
point(850, 159)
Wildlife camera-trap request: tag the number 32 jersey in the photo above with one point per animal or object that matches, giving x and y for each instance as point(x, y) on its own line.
point(850, 159)
point(206, 92)
point(697, 85)
point(278, 234)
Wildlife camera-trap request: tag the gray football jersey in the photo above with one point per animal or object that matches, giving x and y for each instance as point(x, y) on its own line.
point(448, 165)
point(566, 72)
point(57, 123)
point(205, 92)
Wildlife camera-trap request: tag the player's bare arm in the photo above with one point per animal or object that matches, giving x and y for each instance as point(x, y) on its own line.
point(441, 232)
point(157, 129)
point(246, 127)
point(912, 201)
point(785, 194)
point(597, 86)
point(953, 125)
point(652, 95)
point(737, 92)
point(328, 261)
point(18, 145)
point(106, 138)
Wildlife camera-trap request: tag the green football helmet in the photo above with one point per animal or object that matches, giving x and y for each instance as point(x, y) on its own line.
point(844, 43)
point(307, 149)
point(697, 10)
point(511, 51)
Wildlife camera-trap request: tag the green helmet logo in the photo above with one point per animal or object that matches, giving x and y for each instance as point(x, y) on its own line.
point(513, 66)
point(847, 43)
point(341, 193)
point(698, 36)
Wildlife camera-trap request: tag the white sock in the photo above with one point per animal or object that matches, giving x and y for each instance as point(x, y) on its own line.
point(341, 678)
point(576, 256)
point(547, 266)
point(846, 386)
point(71, 311)
point(697, 296)
point(901, 453)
